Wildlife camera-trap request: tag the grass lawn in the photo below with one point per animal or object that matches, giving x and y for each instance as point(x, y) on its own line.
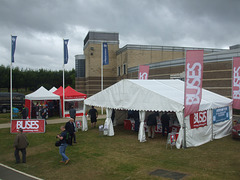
point(4, 118)
point(121, 156)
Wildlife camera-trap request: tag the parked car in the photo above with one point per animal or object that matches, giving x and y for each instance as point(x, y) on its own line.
point(236, 130)
point(5, 104)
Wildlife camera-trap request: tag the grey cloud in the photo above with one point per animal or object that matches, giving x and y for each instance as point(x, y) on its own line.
point(41, 25)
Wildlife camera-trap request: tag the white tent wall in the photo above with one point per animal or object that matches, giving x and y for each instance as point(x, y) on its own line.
point(201, 135)
point(224, 128)
point(180, 139)
point(108, 123)
point(141, 132)
point(84, 119)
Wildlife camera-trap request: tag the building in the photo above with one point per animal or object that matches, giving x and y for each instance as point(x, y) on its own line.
point(164, 62)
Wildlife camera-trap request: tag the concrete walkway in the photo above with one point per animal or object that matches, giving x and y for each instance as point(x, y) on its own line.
point(8, 173)
point(53, 121)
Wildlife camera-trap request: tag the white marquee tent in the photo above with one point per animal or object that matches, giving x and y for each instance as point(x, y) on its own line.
point(40, 94)
point(53, 89)
point(162, 95)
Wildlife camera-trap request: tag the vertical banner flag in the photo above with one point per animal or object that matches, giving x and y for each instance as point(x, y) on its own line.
point(143, 72)
point(193, 81)
point(13, 42)
point(65, 43)
point(236, 83)
point(105, 53)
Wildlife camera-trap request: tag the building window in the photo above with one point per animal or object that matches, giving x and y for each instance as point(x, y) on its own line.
point(119, 71)
point(124, 69)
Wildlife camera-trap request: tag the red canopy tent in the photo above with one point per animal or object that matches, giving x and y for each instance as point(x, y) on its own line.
point(72, 97)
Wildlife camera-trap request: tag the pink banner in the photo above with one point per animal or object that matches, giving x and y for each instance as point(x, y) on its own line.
point(236, 83)
point(143, 72)
point(198, 119)
point(28, 125)
point(193, 81)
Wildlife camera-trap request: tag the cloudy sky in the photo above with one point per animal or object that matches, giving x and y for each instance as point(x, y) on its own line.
point(41, 26)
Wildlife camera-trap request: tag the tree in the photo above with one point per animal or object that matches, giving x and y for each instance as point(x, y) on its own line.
point(29, 79)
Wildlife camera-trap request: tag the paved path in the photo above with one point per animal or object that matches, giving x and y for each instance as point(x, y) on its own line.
point(8, 173)
point(53, 121)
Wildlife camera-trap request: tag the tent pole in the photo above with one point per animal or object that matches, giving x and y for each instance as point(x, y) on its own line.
point(211, 110)
point(63, 83)
point(11, 81)
point(101, 71)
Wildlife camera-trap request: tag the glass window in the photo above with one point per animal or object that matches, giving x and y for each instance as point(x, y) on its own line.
point(124, 69)
point(119, 71)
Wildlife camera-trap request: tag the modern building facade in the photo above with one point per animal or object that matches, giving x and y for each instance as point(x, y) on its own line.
point(165, 62)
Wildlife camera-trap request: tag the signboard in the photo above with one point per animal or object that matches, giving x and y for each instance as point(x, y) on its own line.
point(143, 72)
point(193, 81)
point(78, 124)
point(28, 125)
point(198, 119)
point(220, 114)
point(236, 83)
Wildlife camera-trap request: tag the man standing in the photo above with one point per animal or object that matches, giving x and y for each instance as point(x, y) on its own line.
point(71, 129)
point(44, 113)
point(151, 123)
point(93, 115)
point(165, 123)
point(20, 144)
point(72, 113)
point(25, 111)
point(63, 146)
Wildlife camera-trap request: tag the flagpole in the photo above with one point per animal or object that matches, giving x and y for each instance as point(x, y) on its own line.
point(102, 71)
point(11, 80)
point(63, 83)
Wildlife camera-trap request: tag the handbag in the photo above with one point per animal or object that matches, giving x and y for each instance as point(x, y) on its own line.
point(57, 143)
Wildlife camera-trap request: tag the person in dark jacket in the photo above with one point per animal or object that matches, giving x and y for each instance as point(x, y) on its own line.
point(72, 113)
point(44, 113)
point(20, 144)
point(136, 119)
point(151, 123)
point(165, 123)
point(63, 146)
point(71, 129)
point(93, 116)
point(24, 112)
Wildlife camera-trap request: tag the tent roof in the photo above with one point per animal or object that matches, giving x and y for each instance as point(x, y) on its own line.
point(53, 89)
point(42, 94)
point(151, 95)
point(70, 93)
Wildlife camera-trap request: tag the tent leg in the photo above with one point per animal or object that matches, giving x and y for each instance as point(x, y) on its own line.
point(184, 134)
point(212, 122)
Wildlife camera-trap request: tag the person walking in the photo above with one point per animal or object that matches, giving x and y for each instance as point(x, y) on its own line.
point(63, 146)
point(165, 123)
point(20, 144)
point(70, 128)
point(151, 123)
point(93, 115)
